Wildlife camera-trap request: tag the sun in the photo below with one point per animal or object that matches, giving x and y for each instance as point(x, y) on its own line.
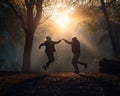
point(62, 20)
point(61, 15)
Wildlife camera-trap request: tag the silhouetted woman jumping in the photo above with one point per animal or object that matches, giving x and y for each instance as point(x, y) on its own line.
point(49, 50)
point(75, 45)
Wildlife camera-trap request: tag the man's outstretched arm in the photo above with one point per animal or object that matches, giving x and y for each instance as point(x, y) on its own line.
point(67, 41)
point(57, 42)
point(41, 45)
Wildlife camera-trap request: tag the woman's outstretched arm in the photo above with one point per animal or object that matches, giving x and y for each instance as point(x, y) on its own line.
point(67, 41)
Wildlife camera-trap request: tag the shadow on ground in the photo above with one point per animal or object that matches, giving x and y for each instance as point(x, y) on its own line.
point(66, 84)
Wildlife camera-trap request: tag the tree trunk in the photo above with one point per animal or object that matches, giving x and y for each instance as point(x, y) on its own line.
point(110, 32)
point(27, 52)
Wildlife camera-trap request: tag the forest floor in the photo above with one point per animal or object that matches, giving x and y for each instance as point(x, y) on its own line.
point(59, 84)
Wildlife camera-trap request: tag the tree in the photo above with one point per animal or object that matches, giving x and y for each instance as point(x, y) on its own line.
point(31, 15)
point(96, 10)
point(29, 23)
point(110, 32)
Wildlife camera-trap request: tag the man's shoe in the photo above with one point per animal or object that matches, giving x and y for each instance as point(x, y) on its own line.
point(45, 68)
point(76, 72)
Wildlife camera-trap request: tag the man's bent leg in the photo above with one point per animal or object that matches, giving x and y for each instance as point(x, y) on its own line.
point(82, 63)
point(52, 57)
point(74, 62)
point(50, 60)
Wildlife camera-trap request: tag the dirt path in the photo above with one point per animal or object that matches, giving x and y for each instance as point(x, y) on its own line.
point(67, 84)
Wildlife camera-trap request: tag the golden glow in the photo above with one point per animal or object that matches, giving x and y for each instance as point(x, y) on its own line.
point(61, 17)
point(62, 20)
point(69, 22)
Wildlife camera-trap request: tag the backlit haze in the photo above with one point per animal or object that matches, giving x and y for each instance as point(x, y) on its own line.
point(65, 24)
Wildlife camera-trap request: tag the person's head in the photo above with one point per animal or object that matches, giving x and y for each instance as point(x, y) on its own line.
point(74, 38)
point(48, 38)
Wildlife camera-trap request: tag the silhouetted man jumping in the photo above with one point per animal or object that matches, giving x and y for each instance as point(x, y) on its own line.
point(49, 50)
point(75, 44)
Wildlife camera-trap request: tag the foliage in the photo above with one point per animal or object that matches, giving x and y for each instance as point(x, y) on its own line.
point(114, 13)
point(32, 13)
point(10, 23)
point(91, 10)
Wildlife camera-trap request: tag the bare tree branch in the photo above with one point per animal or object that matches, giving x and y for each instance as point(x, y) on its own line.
point(45, 20)
point(111, 2)
point(38, 4)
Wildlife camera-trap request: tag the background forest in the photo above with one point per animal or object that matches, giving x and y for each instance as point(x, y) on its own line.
point(96, 23)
